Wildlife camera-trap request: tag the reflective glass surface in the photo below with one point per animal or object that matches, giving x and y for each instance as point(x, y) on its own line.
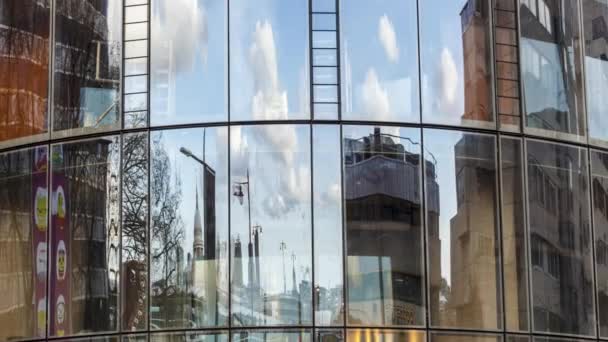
point(382, 199)
point(23, 243)
point(327, 207)
point(188, 62)
point(560, 238)
point(514, 249)
point(551, 67)
point(595, 19)
point(189, 228)
point(599, 188)
point(464, 337)
point(379, 48)
point(270, 241)
point(456, 62)
point(84, 236)
point(461, 215)
point(269, 60)
point(24, 68)
point(381, 335)
point(272, 335)
point(190, 337)
point(134, 211)
point(87, 65)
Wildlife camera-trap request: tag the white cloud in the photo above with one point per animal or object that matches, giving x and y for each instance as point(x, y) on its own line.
point(448, 74)
point(388, 38)
point(181, 29)
point(375, 97)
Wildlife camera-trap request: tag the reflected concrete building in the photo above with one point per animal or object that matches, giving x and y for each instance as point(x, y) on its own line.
point(383, 202)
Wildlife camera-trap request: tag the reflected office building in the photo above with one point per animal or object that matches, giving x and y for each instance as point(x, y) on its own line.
point(303, 170)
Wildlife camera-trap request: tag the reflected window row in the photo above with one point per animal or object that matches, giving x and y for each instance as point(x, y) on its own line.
point(467, 63)
point(303, 225)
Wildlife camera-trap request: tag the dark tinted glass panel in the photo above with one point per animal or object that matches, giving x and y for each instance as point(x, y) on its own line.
point(269, 60)
point(272, 335)
point(329, 335)
point(595, 23)
point(189, 228)
point(551, 66)
point(516, 338)
point(188, 62)
point(327, 190)
point(87, 66)
point(23, 243)
point(556, 339)
point(134, 263)
point(456, 62)
point(190, 337)
point(599, 187)
point(514, 234)
point(379, 60)
point(84, 240)
point(382, 199)
point(560, 239)
point(24, 68)
point(455, 337)
point(378, 335)
point(461, 197)
point(271, 242)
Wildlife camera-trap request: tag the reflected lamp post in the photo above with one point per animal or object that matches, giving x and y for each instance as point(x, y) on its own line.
point(209, 264)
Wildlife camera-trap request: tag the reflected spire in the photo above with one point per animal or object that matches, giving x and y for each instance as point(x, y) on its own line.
point(198, 232)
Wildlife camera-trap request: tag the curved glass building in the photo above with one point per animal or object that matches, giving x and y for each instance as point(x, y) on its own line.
point(304, 170)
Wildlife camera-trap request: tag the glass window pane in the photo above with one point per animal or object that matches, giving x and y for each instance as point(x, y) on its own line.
point(327, 94)
point(518, 338)
point(382, 186)
point(327, 190)
point(85, 224)
point(269, 60)
point(189, 233)
point(23, 226)
point(560, 239)
point(134, 211)
point(136, 84)
point(324, 22)
point(24, 68)
point(599, 186)
point(138, 48)
point(136, 102)
point(325, 75)
point(378, 335)
point(464, 337)
point(329, 335)
point(272, 335)
point(379, 46)
point(271, 242)
point(461, 197)
point(324, 5)
point(456, 62)
point(88, 60)
point(188, 62)
point(324, 39)
point(326, 111)
point(135, 14)
point(514, 235)
point(136, 66)
point(189, 337)
point(551, 67)
point(595, 19)
point(136, 31)
point(324, 57)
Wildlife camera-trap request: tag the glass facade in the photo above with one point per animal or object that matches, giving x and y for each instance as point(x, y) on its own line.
point(303, 170)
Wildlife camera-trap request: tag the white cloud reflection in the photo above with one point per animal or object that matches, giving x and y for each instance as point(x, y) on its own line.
point(183, 25)
point(388, 38)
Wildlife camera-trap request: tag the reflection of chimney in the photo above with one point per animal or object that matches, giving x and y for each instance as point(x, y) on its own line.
point(256, 241)
point(293, 273)
point(238, 265)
